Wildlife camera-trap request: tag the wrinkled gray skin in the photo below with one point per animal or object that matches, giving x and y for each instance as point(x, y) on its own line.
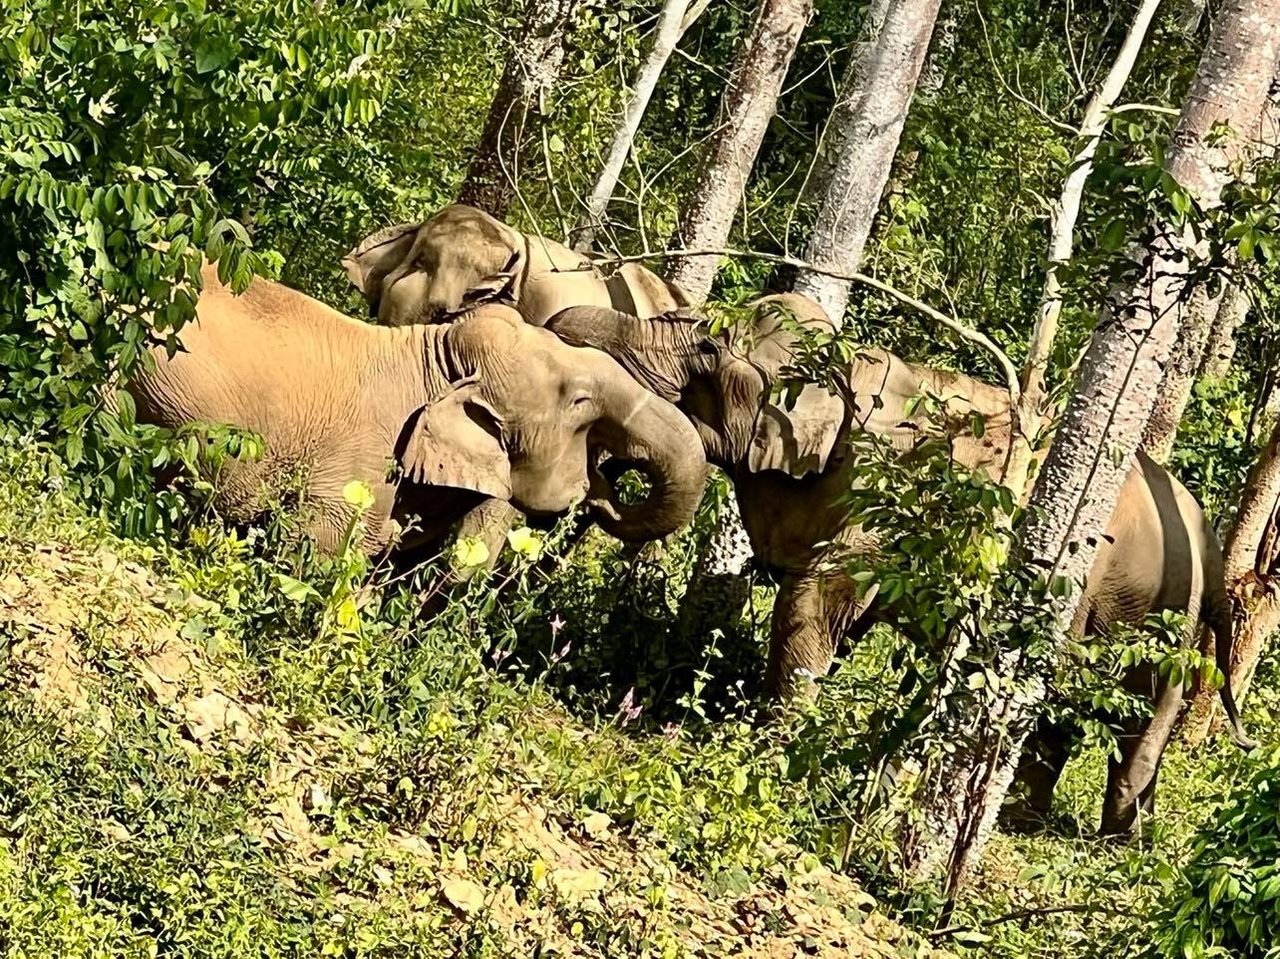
point(790, 469)
point(425, 272)
point(431, 418)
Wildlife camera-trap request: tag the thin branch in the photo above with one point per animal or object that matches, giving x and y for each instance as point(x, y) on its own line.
point(1017, 95)
point(1147, 107)
point(1087, 908)
point(964, 332)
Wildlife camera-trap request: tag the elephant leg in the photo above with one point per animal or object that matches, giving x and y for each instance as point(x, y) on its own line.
point(1043, 758)
point(1131, 780)
point(811, 612)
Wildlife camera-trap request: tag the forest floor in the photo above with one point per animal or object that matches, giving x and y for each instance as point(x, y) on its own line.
point(173, 781)
point(161, 792)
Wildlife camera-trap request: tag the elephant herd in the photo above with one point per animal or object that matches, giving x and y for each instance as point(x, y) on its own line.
point(502, 368)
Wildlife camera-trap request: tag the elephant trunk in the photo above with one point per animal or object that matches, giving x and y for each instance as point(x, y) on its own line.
point(646, 433)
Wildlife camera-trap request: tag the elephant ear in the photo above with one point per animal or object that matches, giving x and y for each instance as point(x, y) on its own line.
point(456, 441)
point(377, 255)
point(796, 432)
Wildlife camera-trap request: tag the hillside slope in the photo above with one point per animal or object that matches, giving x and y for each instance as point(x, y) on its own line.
point(168, 786)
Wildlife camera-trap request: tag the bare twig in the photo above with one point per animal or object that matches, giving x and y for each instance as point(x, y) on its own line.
point(964, 332)
point(1016, 94)
point(1080, 907)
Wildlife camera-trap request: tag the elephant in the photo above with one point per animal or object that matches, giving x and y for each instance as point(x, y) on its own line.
point(791, 466)
point(425, 272)
point(433, 419)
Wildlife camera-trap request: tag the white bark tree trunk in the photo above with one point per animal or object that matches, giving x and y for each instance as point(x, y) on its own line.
point(676, 17)
point(1221, 348)
point(867, 121)
point(747, 107)
point(1077, 489)
point(518, 105)
point(1189, 354)
point(1066, 211)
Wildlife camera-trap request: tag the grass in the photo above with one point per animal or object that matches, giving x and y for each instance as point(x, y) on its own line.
point(198, 760)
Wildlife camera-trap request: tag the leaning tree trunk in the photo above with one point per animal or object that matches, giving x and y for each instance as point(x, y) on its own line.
point(1197, 328)
point(870, 110)
point(1076, 491)
point(933, 79)
point(676, 17)
point(519, 105)
point(748, 105)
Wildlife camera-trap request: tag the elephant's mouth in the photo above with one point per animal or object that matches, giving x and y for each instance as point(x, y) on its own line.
point(616, 481)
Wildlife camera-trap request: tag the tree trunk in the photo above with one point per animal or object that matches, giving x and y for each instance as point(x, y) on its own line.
point(1062, 221)
point(747, 107)
point(1188, 356)
point(1221, 348)
point(676, 17)
point(867, 121)
point(518, 106)
point(933, 77)
point(1077, 489)
point(1180, 373)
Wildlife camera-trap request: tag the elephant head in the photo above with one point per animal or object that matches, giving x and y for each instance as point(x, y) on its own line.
point(425, 272)
point(526, 415)
point(724, 384)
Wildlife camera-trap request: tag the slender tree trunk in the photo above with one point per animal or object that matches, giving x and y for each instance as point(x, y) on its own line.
point(518, 105)
point(747, 107)
point(1197, 327)
point(676, 17)
point(1066, 211)
point(933, 77)
point(1076, 491)
point(1221, 348)
point(1180, 373)
point(719, 589)
point(867, 121)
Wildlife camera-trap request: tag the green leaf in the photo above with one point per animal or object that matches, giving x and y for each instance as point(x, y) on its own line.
point(214, 53)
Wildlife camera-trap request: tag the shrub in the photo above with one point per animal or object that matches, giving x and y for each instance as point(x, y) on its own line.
point(1229, 903)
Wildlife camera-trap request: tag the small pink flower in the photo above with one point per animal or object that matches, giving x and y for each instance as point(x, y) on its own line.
point(557, 624)
point(629, 710)
point(499, 655)
point(670, 732)
point(561, 654)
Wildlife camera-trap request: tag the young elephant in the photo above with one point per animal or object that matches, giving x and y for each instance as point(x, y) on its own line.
point(790, 470)
point(421, 272)
point(486, 407)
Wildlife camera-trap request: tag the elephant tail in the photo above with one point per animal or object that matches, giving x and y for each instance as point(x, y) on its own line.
point(1220, 621)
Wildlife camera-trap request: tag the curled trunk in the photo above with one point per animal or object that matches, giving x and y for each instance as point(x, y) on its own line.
point(649, 434)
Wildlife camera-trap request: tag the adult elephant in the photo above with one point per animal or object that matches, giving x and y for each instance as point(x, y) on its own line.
point(791, 466)
point(432, 419)
point(425, 272)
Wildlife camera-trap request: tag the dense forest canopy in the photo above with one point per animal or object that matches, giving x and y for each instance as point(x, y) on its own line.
point(1057, 218)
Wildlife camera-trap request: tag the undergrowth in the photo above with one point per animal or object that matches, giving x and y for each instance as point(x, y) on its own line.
point(568, 687)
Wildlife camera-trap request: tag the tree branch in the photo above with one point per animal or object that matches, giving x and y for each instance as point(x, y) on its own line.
point(1086, 908)
point(964, 332)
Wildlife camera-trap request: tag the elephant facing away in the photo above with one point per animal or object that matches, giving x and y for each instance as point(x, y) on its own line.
point(424, 272)
point(432, 419)
point(791, 467)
